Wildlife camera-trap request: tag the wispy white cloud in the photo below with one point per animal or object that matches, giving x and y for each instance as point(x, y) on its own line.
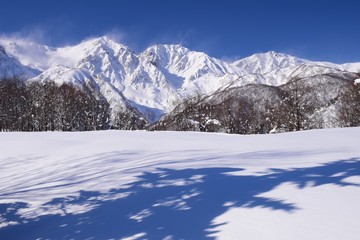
point(298, 51)
point(183, 38)
point(117, 35)
point(231, 59)
point(54, 31)
point(31, 33)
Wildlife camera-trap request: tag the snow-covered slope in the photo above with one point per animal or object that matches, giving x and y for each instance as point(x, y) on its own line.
point(276, 69)
point(173, 185)
point(264, 63)
point(62, 74)
point(10, 67)
point(351, 67)
point(157, 79)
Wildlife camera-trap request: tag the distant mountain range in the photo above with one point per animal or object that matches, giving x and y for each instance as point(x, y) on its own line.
point(156, 80)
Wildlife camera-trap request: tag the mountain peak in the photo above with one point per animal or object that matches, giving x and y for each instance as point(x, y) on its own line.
point(262, 63)
point(276, 54)
point(103, 42)
point(167, 48)
point(271, 54)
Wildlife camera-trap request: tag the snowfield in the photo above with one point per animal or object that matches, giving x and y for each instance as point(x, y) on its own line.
point(176, 185)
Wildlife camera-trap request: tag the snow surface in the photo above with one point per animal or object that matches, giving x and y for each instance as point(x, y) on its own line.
point(176, 185)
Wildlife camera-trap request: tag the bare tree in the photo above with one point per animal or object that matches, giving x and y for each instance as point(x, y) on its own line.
point(297, 107)
point(13, 105)
point(349, 111)
point(45, 106)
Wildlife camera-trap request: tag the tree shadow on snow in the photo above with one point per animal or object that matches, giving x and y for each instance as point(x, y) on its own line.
point(173, 204)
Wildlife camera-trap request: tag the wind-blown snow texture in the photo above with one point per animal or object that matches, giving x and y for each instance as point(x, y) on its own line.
point(174, 185)
point(157, 79)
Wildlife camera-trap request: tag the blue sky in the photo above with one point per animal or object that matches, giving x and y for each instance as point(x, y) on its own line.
point(226, 29)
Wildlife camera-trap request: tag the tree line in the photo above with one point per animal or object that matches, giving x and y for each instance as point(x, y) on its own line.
point(293, 107)
point(45, 106)
point(252, 109)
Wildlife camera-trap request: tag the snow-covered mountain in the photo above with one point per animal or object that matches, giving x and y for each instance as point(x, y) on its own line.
point(154, 81)
point(264, 63)
point(10, 67)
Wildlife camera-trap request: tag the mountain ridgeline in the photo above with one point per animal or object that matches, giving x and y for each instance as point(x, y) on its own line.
point(101, 84)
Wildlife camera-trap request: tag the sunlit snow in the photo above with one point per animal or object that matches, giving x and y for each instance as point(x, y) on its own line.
point(176, 185)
